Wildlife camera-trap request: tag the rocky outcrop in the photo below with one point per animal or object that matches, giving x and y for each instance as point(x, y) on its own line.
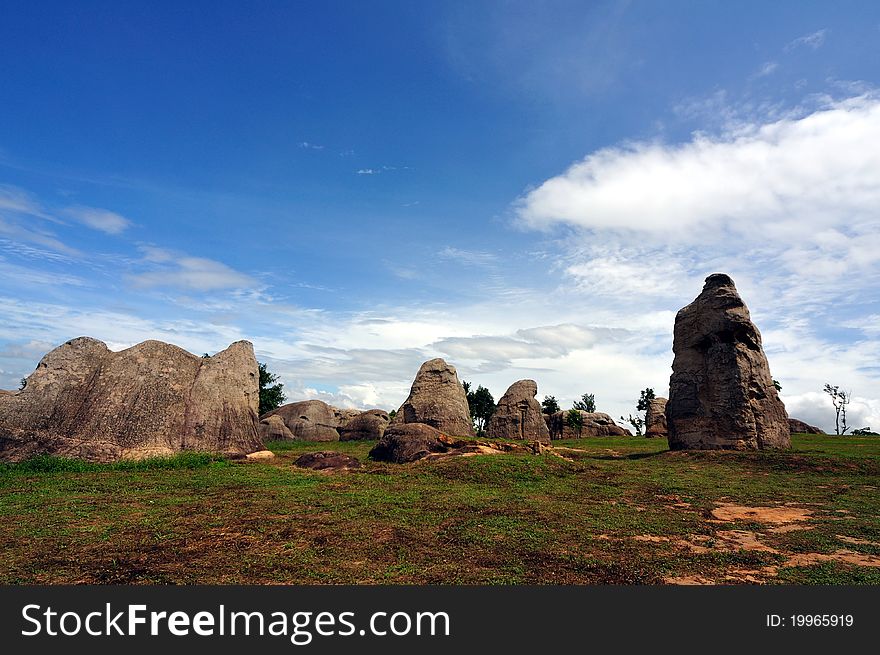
point(306, 420)
point(796, 426)
point(87, 402)
point(595, 424)
point(721, 392)
point(518, 415)
point(407, 442)
point(365, 426)
point(437, 399)
point(655, 418)
point(315, 420)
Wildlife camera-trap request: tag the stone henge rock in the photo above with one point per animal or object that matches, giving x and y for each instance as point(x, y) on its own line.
point(518, 415)
point(85, 401)
point(437, 399)
point(655, 418)
point(368, 426)
point(595, 424)
point(721, 392)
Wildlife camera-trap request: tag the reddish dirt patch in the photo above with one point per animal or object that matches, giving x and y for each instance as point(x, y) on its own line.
point(842, 556)
point(779, 514)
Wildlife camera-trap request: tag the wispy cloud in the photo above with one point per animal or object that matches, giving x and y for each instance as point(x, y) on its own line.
point(180, 271)
point(814, 41)
point(102, 220)
point(766, 69)
point(310, 146)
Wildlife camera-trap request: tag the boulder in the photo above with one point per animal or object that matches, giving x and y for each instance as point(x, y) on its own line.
point(273, 428)
point(655, 418)
point(327, 461)
point(407, 442)
point(721, 392)
point(367, 426)
point(306, 420)
point(437, 399)
point(595, 424)
point(518, 415)
point(796, 426)
point(85, 401)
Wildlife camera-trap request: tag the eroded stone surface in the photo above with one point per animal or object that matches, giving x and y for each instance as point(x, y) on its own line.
point(721, 392)
point(518, 415)
point(88, 402)
point(437, 399)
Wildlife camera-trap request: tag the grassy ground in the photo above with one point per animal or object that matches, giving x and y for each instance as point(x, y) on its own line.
point(618, 510)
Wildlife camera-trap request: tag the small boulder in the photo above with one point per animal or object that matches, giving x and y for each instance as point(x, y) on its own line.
point(408, 442)
point(365, 426)
point(655, 418)
point(327, 461)
point(518, 415)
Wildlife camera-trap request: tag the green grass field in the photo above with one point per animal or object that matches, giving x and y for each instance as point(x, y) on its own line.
point(618, 510)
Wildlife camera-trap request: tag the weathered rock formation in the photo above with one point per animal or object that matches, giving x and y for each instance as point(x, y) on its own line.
point(315, 420)
point(368, 426)
point(88, 402)
point(796, 426)
point(721, 393)
point(437, 399)
point(518, 415)
point(306, 420)
point(655, 418)
point(407, 442)
point(595, 424)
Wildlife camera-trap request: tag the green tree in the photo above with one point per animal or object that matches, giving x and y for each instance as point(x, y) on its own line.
point(549, 405)
point(587, 403)
point(777, 385)
point(636, 421)
point(482, 406)
point(22, 384)
point(645, 399)
point(575, 420)
point(392, 414)
point(271, 395)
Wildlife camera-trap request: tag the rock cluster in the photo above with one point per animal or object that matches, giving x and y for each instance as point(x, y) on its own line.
point(85, 401)
point(721, 392)
point(655, 418)
point(437, 399)
point(518, 415)
point(595, 424)
point(315, 420)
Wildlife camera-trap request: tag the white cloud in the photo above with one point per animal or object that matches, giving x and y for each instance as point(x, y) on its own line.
point(814, 41)
point(99, 219)
point(182, 271)
point(787, 179)
point(767, 68)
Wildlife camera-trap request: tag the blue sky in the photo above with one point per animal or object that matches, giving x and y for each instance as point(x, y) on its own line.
point(527, 189)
